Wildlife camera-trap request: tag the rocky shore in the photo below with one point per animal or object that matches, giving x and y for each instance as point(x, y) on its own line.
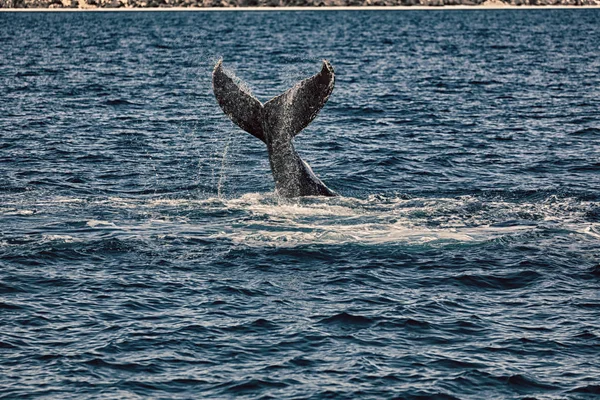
point(87, 4)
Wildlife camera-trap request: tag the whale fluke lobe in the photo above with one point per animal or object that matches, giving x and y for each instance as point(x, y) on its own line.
point(239, 105)
point(301, 104)
point(277, 122)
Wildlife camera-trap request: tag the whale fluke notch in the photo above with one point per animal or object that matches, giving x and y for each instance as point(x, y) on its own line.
point(277, 122)
point(239, 104)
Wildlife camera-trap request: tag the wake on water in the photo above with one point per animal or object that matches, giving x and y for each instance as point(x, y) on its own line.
point(268, 220)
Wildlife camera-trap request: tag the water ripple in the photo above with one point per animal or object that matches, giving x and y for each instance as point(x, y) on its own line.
point(144, 255)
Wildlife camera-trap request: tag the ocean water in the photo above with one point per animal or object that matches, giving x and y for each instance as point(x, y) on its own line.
point(143, 253)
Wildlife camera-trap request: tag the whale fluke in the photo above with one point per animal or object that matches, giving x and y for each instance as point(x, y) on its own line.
point(277, 122)
point(238, 103)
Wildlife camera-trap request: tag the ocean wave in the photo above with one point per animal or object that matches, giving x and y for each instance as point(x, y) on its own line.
point(143, 253)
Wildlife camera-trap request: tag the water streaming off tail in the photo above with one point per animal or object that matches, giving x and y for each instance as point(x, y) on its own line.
point(223, 171)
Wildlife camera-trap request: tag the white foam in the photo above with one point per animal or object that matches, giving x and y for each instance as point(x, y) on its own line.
point(93, 223)
point(591, 230)
point(18, 212)
point(62, 238)
point(267, 220)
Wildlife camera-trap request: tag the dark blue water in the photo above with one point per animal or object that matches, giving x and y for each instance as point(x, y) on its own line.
point(144, 255)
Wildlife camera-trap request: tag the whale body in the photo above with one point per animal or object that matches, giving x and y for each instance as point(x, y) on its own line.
point(277, 122)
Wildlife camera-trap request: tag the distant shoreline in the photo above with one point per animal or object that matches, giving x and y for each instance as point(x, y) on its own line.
point(305, 8)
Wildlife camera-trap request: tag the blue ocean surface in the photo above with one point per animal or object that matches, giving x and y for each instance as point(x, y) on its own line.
point(144, 254)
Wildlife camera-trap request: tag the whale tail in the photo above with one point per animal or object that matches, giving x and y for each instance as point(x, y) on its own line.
point(277, 122)
point(293, 110)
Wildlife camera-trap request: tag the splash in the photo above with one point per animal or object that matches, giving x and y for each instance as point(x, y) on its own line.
point(259, 220)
